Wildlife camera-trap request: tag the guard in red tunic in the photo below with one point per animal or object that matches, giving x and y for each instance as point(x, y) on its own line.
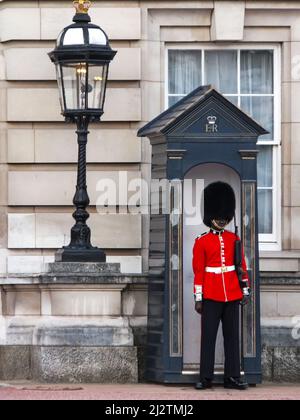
point(219, 288)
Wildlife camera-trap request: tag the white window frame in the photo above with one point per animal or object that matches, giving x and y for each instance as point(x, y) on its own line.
point(267, 242)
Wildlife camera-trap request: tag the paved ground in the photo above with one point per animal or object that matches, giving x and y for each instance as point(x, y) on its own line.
point(149, 392)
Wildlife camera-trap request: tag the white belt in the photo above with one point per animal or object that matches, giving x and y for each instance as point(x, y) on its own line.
point(219, 270)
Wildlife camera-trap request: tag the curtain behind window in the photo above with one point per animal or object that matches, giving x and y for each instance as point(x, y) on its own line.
point(185, 71)
point(221, 71)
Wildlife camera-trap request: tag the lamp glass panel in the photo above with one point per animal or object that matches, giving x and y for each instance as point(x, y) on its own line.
point(60, 86)
point(97, 37)
point(74, 77)
point(97, 85)
point(74, 36)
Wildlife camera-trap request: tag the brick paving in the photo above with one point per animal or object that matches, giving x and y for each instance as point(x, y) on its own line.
point(149, 392)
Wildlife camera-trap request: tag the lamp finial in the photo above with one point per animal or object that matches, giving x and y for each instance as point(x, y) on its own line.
point(82, 6)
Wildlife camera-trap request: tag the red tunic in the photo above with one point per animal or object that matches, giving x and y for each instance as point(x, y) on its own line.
point(217, 250)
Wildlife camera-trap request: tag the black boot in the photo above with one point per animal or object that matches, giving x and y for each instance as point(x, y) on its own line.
point(203, 384)
point(235, 383)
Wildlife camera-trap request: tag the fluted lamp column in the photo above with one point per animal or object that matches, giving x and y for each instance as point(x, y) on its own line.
point(82, 57)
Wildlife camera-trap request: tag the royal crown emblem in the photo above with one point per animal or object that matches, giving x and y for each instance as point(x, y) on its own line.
point(211, 126)
point(211, 120)
point(82, 6)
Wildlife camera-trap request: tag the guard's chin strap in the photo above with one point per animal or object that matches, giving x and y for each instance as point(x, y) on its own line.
point(236, 226)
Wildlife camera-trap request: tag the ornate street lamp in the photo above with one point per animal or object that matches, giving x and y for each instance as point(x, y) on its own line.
point(82, 57)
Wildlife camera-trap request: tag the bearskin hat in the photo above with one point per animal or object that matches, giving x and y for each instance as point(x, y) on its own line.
point(219, 202)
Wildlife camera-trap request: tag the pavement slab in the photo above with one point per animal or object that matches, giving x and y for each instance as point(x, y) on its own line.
point(140, 392)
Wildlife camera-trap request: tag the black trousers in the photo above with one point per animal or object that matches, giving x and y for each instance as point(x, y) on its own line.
point(213, 314)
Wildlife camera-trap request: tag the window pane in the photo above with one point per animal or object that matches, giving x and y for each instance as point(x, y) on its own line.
point(265, 166)
point(184, 71)
point(265, 216)
point(261, 108)
point(233, 99)
point(221, 70)
point(174, 99)
point(257, 72)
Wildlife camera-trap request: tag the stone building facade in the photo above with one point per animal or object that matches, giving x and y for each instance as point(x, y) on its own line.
point(38, 152)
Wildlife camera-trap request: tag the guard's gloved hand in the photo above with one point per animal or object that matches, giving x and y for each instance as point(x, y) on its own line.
point(246, 298)
point(199, 307)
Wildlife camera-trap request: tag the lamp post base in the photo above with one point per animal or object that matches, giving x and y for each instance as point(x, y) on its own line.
point(80, 255)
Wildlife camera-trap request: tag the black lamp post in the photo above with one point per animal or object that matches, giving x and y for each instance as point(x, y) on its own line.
point(82, 57)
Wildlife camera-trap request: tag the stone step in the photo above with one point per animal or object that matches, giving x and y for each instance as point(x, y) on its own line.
point(84, 268)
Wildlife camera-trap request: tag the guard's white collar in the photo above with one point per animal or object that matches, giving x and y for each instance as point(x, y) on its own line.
point(217, 232)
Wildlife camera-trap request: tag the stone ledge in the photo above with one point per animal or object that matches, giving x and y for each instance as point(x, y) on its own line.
point(69, 364)
point(100, 332)
point(64, 278)
point(83, 268)
point(76, 336)
point(280, 265)
point(85, 336)
point(278, 279)
point(31, 265)
point(279, 254)
point(279, 335)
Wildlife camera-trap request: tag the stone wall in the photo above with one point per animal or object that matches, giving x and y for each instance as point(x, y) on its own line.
point(39, 151)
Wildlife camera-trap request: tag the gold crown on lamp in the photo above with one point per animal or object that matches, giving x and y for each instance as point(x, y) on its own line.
point(82, 6)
